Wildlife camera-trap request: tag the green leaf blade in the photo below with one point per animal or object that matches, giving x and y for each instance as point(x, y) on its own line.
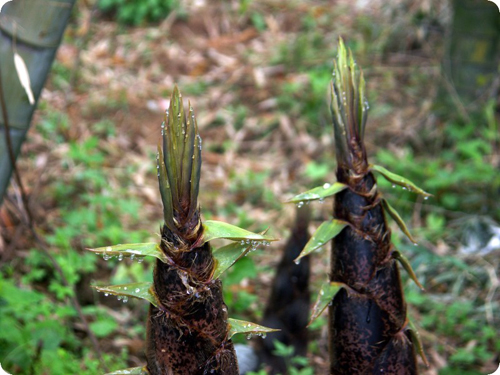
point(394, 214)
point(133, 250)
point(228, 255)
point(407, 266)
point(417, 342)
point(398, 180)
point(319, 192)
point(325, 296)
point(325, 232)
point(216, 229)
point(241, 326)
point(142, 290)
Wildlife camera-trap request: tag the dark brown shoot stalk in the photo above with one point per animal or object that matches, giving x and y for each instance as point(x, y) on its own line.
point(188, 329)
point(369, 329)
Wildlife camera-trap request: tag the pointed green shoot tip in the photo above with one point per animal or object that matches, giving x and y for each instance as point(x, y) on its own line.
point(349, 105)
point(179, 164)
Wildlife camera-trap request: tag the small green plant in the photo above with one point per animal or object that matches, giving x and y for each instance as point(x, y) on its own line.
point(135, 12)
point(296, 365)
point(33, 340)
point(188, 330)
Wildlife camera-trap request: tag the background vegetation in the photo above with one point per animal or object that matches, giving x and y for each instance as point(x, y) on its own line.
point(258, 73)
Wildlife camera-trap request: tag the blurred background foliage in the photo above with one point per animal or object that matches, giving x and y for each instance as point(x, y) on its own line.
point(257, 73)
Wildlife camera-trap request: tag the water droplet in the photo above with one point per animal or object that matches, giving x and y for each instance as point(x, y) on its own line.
point(326, 185)
point(125, 299)
point(300, 204)
point(393, 186)
point(120, 257)
point(322, 200)
point(297, 261)
point(140, 259)
point(137, 290)
point(132, 257)
point(119, 298)
point(415, 244)
point(425, 198)
point(125, 288)
point(106, 294)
